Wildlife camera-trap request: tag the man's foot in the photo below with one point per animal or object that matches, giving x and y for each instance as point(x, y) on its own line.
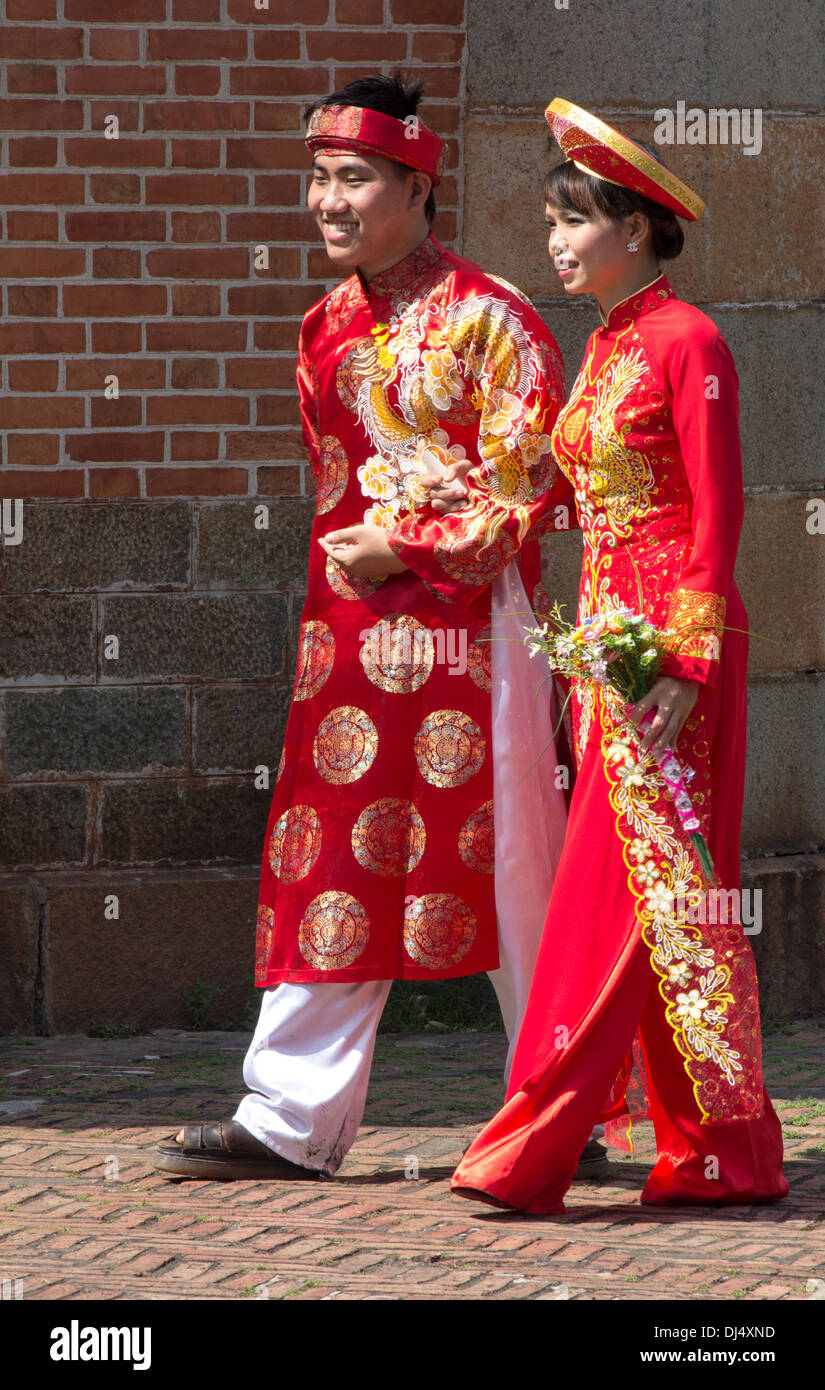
point(593, 1163)
point(224, 1152)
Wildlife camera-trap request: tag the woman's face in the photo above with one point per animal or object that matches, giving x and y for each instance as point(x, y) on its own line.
point(589, 253)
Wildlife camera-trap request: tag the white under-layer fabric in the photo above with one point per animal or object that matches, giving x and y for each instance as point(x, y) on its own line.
point(529, 810)
point(308, 1065)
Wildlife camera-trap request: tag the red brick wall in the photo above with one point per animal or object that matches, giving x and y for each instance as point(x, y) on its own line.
point(134, 257)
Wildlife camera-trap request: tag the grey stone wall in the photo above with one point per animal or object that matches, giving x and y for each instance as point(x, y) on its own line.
point(135, 776)
point(756, 264)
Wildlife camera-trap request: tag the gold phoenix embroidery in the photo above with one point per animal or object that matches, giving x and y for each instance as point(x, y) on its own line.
point(693, 981)
point(613, 483)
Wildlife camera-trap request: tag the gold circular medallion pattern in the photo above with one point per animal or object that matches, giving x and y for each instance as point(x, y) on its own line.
point(316, 654)
point(449, 748)
point(480, 659)
point(334, 931)
point(480, 568)
point(389, 837)
point(264, 928)
point(398, 654)
point(572, 426)
point(541, 602)
point(476, 840)
point(294, 843)
point(348, 586)
point(333, 470)
point(345, 745)
point(439, 930)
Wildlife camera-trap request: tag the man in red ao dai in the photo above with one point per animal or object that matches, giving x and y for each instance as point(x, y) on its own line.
point(410, 836)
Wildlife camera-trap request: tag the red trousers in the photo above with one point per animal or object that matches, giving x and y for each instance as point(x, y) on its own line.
point(594, 987)
point(531, 1149)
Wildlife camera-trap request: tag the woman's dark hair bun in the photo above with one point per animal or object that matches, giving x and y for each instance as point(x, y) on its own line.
point(667, 235)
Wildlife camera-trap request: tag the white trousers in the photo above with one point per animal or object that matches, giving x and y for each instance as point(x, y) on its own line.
point(309, 1061)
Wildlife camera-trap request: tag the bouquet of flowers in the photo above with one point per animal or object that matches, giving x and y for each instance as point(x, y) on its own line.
point(624, 651)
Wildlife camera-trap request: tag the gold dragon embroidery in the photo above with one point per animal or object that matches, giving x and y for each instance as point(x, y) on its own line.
point(478, 364)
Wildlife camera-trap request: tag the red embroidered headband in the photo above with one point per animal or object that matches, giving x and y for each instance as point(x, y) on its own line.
point(356, 129)
point(599, 149)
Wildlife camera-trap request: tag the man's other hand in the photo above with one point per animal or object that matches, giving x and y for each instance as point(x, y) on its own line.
point(362, 551)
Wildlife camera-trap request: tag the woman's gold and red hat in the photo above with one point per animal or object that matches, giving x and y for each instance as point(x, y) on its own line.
point(600, 150)
point(337, 130)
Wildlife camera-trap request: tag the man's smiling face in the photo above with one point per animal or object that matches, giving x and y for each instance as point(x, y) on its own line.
point(367, 208)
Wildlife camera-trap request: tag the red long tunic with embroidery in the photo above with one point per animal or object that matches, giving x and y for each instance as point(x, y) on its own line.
point(378, 859)
point(649, 438)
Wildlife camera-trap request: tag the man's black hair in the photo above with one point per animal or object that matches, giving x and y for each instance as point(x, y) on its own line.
point(392, 96)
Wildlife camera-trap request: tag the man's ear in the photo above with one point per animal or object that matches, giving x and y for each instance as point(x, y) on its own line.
point(420, 186)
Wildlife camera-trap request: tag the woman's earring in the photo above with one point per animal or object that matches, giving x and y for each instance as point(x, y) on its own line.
point(631, 246)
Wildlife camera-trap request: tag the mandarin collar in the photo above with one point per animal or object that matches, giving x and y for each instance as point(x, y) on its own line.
point(642, 301)
point(404, 277)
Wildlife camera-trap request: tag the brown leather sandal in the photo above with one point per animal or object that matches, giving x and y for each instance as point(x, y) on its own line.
point(593, 1163)
point(224, 1152)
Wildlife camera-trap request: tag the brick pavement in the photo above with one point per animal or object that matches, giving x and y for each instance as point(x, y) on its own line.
point(83, 1215)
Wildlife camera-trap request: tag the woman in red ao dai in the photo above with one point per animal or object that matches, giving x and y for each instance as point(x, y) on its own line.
point(649, 439)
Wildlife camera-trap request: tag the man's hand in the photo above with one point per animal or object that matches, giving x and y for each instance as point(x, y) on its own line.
point(675, 699)
point(363, 551)
point(448, 494)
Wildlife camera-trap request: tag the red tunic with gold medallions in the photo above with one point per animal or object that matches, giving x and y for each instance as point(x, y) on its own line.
point(378, 859)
